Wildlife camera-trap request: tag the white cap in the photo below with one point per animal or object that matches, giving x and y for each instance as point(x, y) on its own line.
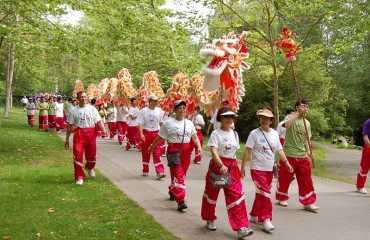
point(178, 102)
point(153, 97)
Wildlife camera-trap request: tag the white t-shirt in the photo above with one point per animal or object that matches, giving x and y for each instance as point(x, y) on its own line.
point(197, 119)
point(133, 111)
point(262, 156)
point(112, 114)
point(281, 130)
point(30, 111)
point(122, 114)
point(24, 100)
point(226, 142)
point(214, 121)
point(173, 130)
point(150, 119)
point(59, 109)
point(85, 117)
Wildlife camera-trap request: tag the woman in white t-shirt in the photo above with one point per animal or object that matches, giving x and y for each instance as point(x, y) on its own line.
point(263, 142)
point(112, 119)
point(224, 143)
point(178, 140)
point(198, 122)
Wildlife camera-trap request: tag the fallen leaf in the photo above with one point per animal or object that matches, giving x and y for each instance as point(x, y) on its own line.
point(38, 235)
point(6, 237)
point(50, 210)
point(115, 232)
point(121, 235)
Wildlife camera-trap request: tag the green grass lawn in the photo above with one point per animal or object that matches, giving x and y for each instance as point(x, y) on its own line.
point(39, 197)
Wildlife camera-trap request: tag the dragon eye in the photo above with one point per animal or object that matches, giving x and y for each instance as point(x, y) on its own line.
point(230, 58)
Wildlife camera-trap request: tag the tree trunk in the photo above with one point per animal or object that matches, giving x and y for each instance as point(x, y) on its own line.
point(9, 79)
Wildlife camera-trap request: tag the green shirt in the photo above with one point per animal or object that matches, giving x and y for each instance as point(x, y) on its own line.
point(44, 106)
point(67, 107)
point(294, 145)
point(103, 115)
point(52, 108)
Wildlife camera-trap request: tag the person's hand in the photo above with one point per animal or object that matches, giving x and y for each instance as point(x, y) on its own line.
point(66, 144)
point(207, 133)
point(288, 166)
point(142, 137)
point(242, 172)
point(223, 169)
point(150, 149)
point(198, 152)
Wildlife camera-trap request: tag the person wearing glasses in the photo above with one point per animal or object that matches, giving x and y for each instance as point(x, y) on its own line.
point(263, 142)
point(224, 142)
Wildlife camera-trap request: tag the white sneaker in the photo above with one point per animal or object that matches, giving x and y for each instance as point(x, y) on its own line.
point(79, 181)
point(244, 232)
point(91, 173)
point(160, 175)
point(362, 190)
point(254, 219)
point(211, 225)
point(311, 207)
point(267, 225)
point(282, 203)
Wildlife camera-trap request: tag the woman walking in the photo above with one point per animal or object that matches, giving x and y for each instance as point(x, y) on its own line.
point(263, 142)
point(179, 132)
point(224, 143)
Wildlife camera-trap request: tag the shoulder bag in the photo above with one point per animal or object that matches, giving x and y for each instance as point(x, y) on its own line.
point(173, 158)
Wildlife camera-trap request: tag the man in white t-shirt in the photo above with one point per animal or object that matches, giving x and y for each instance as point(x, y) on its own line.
point(112, 119)
point(30, 106)
point(150, 120)
point(198, 122)
point(24, 102)
point(133, 135)
point(122, 126)
point(83, 118)
point(59, 106)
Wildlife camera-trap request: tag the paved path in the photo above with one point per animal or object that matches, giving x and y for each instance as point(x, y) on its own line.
point(344, 214)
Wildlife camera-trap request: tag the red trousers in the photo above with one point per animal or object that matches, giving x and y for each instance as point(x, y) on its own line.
point(31, 119)
point(84, 141)
point(282, 141)
point(364, 167)
point(60, 124)
point(262, 206)
point(198, 157)
point(149, 139)
point(302, 170)
point(52, 121)
point(43, 122)
point(133, 137)
point(234, 197)
point(178, 173)
point(122, 130)
point(112, 129)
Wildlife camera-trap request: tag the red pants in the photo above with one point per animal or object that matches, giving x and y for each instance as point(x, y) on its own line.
point(60, 124)
point(197, 158)
point(364, 167)
point(178, 173)
point(31, 119)
point(122, 130)
point(234, 197)
point(52, 121)
point(282, 141)
point(84, 140)
point(43, 122)
point(302, 170)
point(112, 129)
point(149, 139)
point(262, 206)
point(133, 137)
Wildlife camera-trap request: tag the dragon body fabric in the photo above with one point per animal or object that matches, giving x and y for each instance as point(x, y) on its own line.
point(224, 71)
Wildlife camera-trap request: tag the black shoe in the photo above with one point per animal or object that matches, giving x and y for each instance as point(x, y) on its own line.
point(182, 206)
point(172, 197)
point(31, 125)
point(120, 143)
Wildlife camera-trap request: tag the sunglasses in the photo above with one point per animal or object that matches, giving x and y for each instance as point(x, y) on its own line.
point(229, 116)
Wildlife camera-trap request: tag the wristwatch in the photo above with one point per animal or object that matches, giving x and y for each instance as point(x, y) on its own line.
point(220, 165)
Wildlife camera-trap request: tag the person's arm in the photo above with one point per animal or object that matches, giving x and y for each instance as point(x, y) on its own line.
point(292, 120)
point(216, 158)
point(366, 140)
point(246, 154)
point(69, 130)
point(155, 142)
point(285, 160)
point(209, 129)
point(196, 141)
point(141, 132)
